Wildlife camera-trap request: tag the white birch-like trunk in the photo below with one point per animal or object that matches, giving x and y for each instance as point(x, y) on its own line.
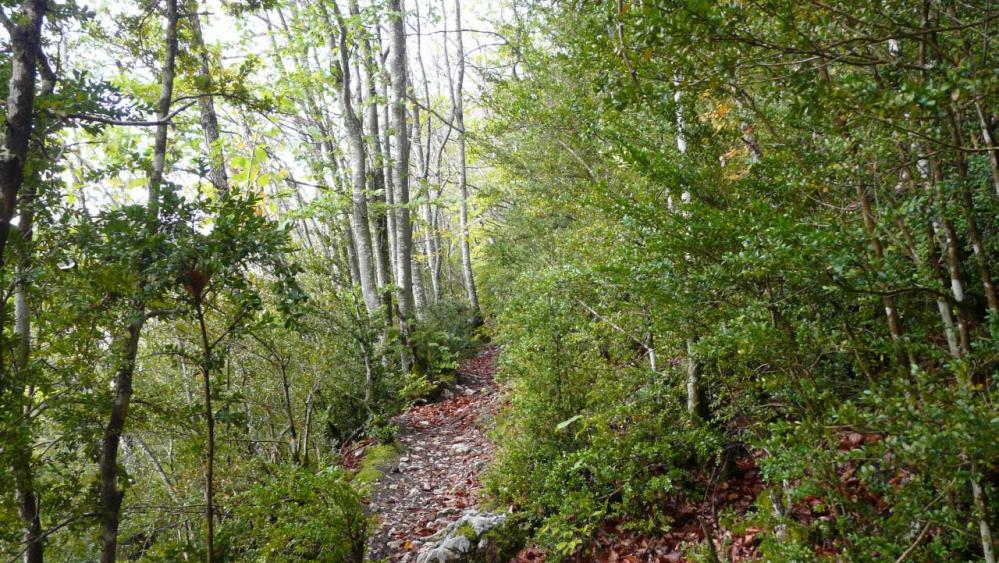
point(457, 94)
point(360, 229)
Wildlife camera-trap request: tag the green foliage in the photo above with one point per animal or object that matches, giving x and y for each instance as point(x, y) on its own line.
point(680, 178)
point(444, 335)
point(440, 339)
point(576, 447)
point(296, 514)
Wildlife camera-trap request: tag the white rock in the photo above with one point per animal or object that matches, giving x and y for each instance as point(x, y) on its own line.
point(453, 545)
point(461, 448)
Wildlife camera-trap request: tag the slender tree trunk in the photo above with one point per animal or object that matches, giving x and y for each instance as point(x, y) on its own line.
point(289, 411)
point(404, 231)
point(387, 172)
point(25, 45)
point(355, 140)
point(206, 104)
point(126, 344)
point(970, 218)
point(981, 507)
point(379, 187)
point(870, 227)
point(988, 137)
point(209, 414)
point(695, 406)
point(695, 403)
point(22, 447)
point(419, 291)
point(423, 152)
point(947, 239)
point(932, 263)
point(457, 101)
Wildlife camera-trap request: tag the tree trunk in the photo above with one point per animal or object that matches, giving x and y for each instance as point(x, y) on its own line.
point(206, 372)
point(870, 227)
point(388, 175)
point(25, 44)
point(355, 140)
point(378, 185)
point(404, 232)
point(24, 484)
point(695, 406)
point(206, 104)
point(970, 219)
point(126, 345)
point(457, 94)
point(423, 152)
point(988, 137)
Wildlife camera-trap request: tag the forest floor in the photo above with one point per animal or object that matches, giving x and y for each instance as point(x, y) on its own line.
point(436, 476)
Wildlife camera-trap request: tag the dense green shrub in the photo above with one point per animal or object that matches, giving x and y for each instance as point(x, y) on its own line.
point(445, 334)
point(577, 447)
point(295, 514)
point(799, 234)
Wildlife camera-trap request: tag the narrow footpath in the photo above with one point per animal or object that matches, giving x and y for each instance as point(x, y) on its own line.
point(436, 477)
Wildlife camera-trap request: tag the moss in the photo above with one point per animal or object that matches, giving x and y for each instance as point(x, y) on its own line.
point(505, 541)
point(371, 466)
point(469, 532)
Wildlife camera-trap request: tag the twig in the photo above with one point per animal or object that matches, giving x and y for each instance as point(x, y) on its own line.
point(905, 554)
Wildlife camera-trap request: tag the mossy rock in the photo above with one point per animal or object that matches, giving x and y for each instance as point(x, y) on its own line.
point(478, 537)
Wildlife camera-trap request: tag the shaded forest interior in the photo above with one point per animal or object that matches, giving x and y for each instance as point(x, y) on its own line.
point(733, 265)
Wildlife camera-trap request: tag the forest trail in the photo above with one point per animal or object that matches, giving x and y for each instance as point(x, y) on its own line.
point(436, 476)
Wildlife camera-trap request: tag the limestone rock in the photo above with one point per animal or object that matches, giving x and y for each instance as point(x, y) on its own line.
point(464, 540)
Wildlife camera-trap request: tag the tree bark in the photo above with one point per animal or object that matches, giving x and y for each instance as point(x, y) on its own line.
point(24, 484)
point(355, 140)
point(206, 104)
point(423, 152)
point(209, 414)
point(25, 44)
point(970, 219)
point(387, 172)
point(870, 227)
point(126, 344)
point(404, 231)
point(457, 102)
point(378, 184)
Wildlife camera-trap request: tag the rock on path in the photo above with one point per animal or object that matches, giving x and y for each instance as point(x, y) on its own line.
point(436, 478)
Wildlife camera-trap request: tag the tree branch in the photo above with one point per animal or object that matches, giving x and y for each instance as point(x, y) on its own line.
point(126, 123)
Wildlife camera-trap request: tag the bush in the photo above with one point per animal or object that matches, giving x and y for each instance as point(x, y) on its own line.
point(294, 514)
point(444, 336)
point(575, 448)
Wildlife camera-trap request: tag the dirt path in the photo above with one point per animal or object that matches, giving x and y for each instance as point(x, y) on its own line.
point(436, 477)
